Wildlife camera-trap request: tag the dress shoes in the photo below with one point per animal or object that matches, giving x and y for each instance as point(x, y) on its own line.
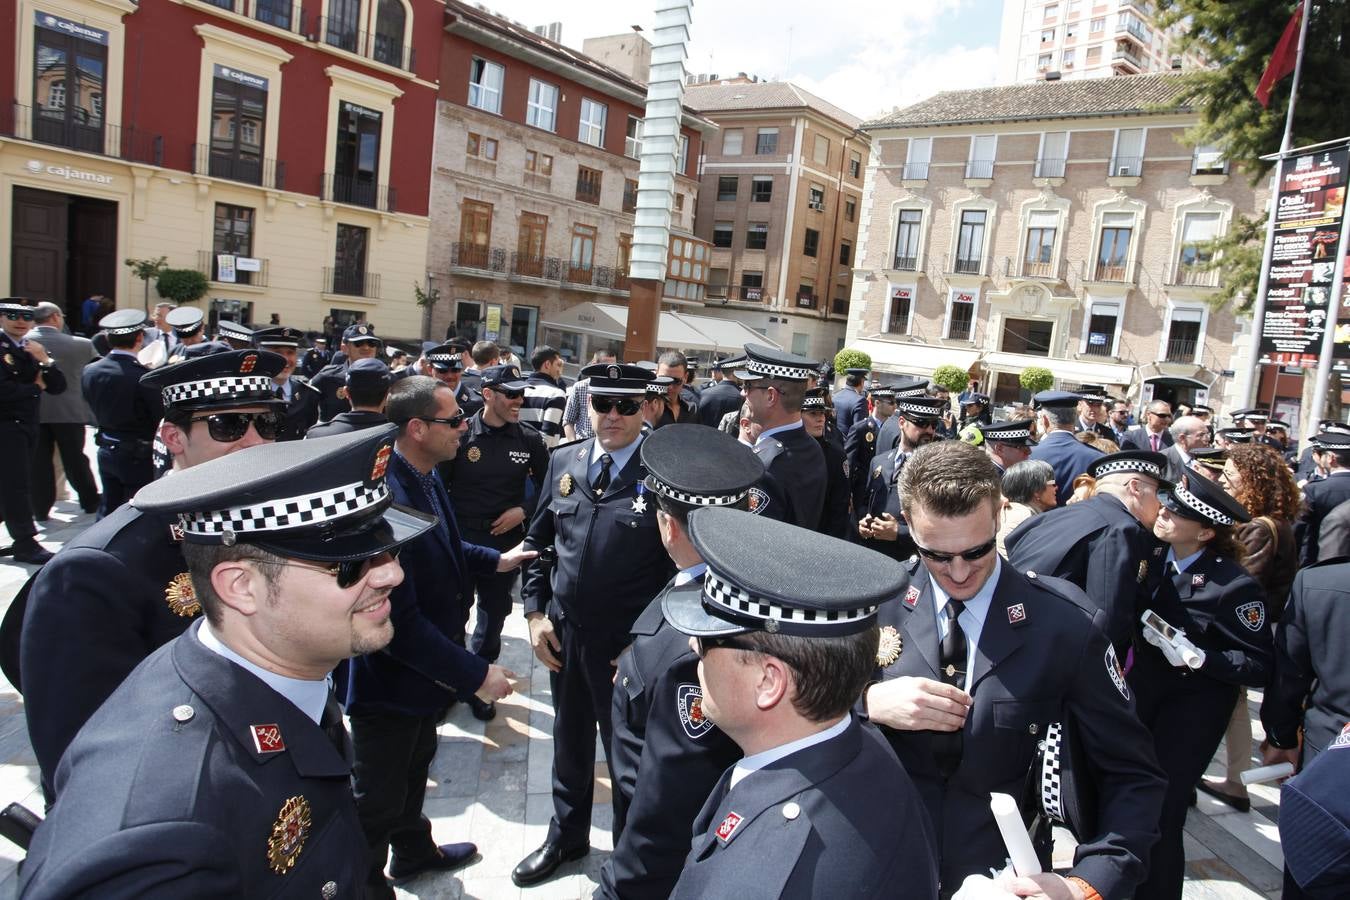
point(483, 712)
point(31, 552)
point(1241, 804)
point(446, 858)
point(542, 863)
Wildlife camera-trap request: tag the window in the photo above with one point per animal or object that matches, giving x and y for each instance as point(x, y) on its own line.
point(821, 151)
point(900, 303)
point(588, 185)
point(845, 253)
point(625, 256)
point(1030, 336)
point(752, 286)
point(816, 198)
point(1047, 35)
point(970, 242)
point(630, 194)
point(238, 119)
point(1197, 230)
point(961, 316)
point(1129, 155)
point(683, 156)
point(722, 234)
point(349, 260)
point(840, 305)
point(679, 203)
point(686, 269)
point(583, 253)
point(732, 141)
point(854, 165)
point(907, 240)
point(343, 21)
point(1067, 58)
point(279, 13)
point(1183, 336)
point(390, 18)
point(1208, 159)
point(233, 236)
point(1102, 321)
point(717, 282)
point(591, 129)
point(1114, 252)
point(766, 142)
point(1043, 62)
point(811, 242)
point(1054, 152)
point(481, 147)
point(1094, 55)
point(801, 343)
point(761, 188)
point(632, 143)
point(727, 186)
point(916, 163)
point(850, 210)
point(806, 295)
point(981, 161)
point(1037, 260)
point(1097, 25)
point(1051, 11)
point(356, 163)
point(475, 234)
point(541, 111)
point(757, 236)
point(530, 244)
point(537, 163)
point(485, 85)
point(68, 88)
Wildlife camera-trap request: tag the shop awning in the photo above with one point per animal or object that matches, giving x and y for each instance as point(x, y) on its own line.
point(591, 318)
point(676, 331)
point(727, 335)
point(914, 359)
point(1067, 371)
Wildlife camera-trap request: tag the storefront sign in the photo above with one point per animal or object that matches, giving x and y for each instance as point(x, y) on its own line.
point(231, 74)
point(75, 29)
point(69, 173)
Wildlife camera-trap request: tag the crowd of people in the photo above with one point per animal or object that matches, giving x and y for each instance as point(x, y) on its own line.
point(813, 630)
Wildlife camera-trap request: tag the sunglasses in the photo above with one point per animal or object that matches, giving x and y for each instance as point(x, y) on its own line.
point(971, 555)
point(453, 421)
point(16, 316)
point(350, 572)
point(704, 644)
point(625, 405)
point(228, 427)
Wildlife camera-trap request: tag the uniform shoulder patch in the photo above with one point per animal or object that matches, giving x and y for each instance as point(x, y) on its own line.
point(728, 826)
point(1116, 671)
point(759, 500)
point(1252, 615)
point(689, 706)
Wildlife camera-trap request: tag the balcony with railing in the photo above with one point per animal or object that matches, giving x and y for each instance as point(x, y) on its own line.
point(359, 192)
point(351, 283)
point(283, 14)
point(470, 255)
point(980, 168)
point(967, 266)
point(915, 171)
point(806, 300)
point(242, 167)
point(46, 126)
point(1193, 274)
point(1126, 167)
point(1111, 271)
point(1050, 168)
point(1180, 350)
point(1034, 268)
point(377, 47)
point(1098, 345)
point(906, 263)
point(839, 306)
point(208, 263)
point(746, 293)
point(1125, 60)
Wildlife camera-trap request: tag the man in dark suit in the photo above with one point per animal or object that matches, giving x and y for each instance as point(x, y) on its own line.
point(1153, 434)
point(397, 697)
point(1092, 411)
point(127, 412)
point(301, 397)
point(1068, 456)
point(1321, 497)
point(63, 417)
point(982, 659)
point(718, 399)
point(850, 403)
point(1333, 538)
point(218, 769)
point(1188, 433)
point(817, 807)
point(881, 527)
point(860, 444)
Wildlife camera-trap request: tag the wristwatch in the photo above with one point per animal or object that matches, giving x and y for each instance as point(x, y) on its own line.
point(1089, 892)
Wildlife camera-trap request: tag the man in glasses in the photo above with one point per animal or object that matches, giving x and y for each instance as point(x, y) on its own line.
point(983, 659)
point(1069, 457)
point(366, 390)
point(681, 403)
point(126, 573)
point(880, 525)
point(1092, 411)
point(220, 767)
point(836, 514)
point(358, 342)
point(1152, 434)
point(497, 459)
point(888, 435)
point(1105, 544)
point(396, 698)
point(607, 563)
point(300, 398)
point(818, 806)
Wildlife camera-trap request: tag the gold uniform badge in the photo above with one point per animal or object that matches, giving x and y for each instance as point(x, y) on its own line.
point(181, 597)
point(870, 437)
point(889, 647)
point(1143, 571)
point(474, 454)
point(288, 836)
point(565, 485)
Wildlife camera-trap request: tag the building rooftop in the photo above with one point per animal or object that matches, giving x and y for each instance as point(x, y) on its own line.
point(745, 96)
point(1073, 99)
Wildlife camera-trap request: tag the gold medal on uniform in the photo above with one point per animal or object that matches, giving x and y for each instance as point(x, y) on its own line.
point(288, 836)
point(870, 437)
point(889, 647)
point(181, 597)
point(565, 485)
point(1143, 571)
point(9, 359)
point(474, 454)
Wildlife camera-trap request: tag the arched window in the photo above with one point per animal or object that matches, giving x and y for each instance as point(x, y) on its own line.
point(390, 20)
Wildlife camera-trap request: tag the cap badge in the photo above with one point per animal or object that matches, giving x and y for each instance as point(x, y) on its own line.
point(1143, 571)
point(176, 532)
point(689, 706)
point(288, 836)
point(1252, 615)
point(1117, 673)
point(474, 454)
point(381, 463)
point(869, 437)
point(181, 597)
point(759, 501)
point(889, 647)
point(9, 359)
point(729, 826)
point(639, 504)
point(361, 329)
point(247, 363)
point(267, 738)
point(1197, 581)
point(566, 484)
point(612, 372)
point(771, 626)
point(911, 596)
point(513, 373)
point(1017, 614)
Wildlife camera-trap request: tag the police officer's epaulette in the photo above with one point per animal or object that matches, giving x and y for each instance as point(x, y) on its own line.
point(561, 444)
point(912, 565)
point(1064, 590)
point(177, 751)
point(768, 451)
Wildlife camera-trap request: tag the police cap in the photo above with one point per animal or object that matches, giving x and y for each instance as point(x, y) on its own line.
point(617, 379)
point(1202, 500)
point(185, 320)
point(123, 321)
point(368, 373)
point(699, 466)
point(234, 331)
point(911, 387)
point(1236, 435)
point(1140, 462)
point(222, 380)
point(442, 357)
point(765, 362)
point(1055, 398)
point(360, 333)
point(278, 336)
point(1007, 432)
point(814, 400)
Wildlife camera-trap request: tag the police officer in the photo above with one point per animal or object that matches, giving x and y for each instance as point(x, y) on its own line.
point(127, 412)
point(667, 754)
point(1207, 594)
point(126, 573)
point(236, 335)
point(358, 342)
point(850, 404)
point(1321, 497)
point(836, 517)
point(315, 358)
point(1315, 826)
point(860, 444)
point(719, 398)
point(189, 328)
point(445, 363)
point(1007, 443)
point(977, 660)
point(365, 389)
point(817, 807)
point(26, 371)
point(219, 768)
point(881, 527)
point(608, 564)
point(1092, 411)
point(1068, 456)
point(498, 459)
point(888, 436)
point(301, 397)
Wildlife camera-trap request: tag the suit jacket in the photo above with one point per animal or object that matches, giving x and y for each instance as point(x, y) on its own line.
point(1137, 438)
point(860, 447)
point(1319, 499)
point(425, 665)
point(1333, 537)
point(718, 400)
point(165, 794)
point(882, 496)
point(1176, 468)
point(839, 818)
point(70, 354)
point(123, 407)
point(1314, 815)
point(1311, 684)
point(1068, 456)
point(302, 410)
point(1041, 656)
point(342, 423)
point(849, 407)
point(794, 483)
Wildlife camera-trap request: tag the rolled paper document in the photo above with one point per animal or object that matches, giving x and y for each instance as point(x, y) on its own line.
point(1020, 852)
point(1267, 773)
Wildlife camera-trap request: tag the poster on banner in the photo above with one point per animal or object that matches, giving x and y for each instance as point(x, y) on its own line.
point(225, 268)
point(1309, 216)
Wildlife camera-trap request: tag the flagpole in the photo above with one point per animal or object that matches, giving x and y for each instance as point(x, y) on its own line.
point(1259, 308)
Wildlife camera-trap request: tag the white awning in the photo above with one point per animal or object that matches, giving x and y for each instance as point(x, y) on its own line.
point(591, 318)
point(675, 331)
point(914, 359)
point(727, 335)
point(1067, 371)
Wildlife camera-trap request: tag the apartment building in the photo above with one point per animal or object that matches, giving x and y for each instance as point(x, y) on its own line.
point(1085, 39)
point(281, 147)
point(779, 202)
point(1058, 224)
point(535, 186)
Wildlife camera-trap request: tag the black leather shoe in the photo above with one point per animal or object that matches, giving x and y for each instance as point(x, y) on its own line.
point(1241, 804)
point(483, 712)
point(542, 863)
point(446, 858)
point(32, 552)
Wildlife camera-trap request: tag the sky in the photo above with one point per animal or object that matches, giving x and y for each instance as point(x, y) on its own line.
point(882, 54)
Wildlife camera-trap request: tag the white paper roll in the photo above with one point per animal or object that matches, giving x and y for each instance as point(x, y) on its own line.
point(1015, 837)
point(1267, 773)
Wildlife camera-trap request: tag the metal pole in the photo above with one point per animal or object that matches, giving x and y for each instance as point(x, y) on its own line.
point(1324, 360)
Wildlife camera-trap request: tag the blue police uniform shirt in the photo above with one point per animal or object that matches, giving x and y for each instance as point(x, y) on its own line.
point(971, 618)
point(309, 697)
point(620, 457)
point(1182, 564)
point(751, 764)
point(770, 432)
point(684, 576)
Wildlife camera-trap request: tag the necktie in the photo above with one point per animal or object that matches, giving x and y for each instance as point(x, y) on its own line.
point(331, 723)
point(281, 392)
point(166, 345)
point(1153, 439)
point(947, 745)
point(601, 483)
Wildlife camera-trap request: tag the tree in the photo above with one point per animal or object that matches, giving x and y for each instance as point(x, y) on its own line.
point(181, 285)
point(851, 359)
point(1036, 379)
point(953, 378)
point(145, 269)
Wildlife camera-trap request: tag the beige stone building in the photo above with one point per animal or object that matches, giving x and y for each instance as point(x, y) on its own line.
point(779, 202)
point(1055, 224)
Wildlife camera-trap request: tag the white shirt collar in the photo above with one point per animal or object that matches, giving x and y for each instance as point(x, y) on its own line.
point(765, 757)
point(684, 576)
point(620, 456)
point(1184, 564)
point(309, 697)
point(972, 616)
point(768, 432)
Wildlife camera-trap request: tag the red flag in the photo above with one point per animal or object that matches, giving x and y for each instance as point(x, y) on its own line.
point(1282, 60)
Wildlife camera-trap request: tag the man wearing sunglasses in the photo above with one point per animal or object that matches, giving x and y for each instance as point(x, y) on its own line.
point(837, 512)
point(596, 514)
point(498, 459)
point(300, 398)
point(679, 406)
point(126, 573)
point(881, 527)
point(220, 767)
point(983, 660)
point(358, 342)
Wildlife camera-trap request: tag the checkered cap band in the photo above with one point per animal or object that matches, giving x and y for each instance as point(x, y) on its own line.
point(213, 388)
point(1213, 513)
point(729, 597)
point(673, 493)
point(125, 329)
point(1052, 795)
point(1130, 465)
point(1006, 434)
point(917, 410)
point(921, 391)
point(813, 403)
point(773, 370)
point(288, 512)
point(442, 357)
